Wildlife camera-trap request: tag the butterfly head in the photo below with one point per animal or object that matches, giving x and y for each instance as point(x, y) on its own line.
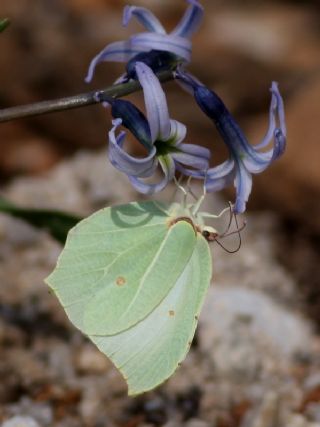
point(209, 233)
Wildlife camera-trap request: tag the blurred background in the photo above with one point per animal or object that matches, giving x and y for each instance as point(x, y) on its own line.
point(241, 373)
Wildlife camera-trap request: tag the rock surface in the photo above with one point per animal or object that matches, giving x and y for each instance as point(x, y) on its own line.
point(254, 362)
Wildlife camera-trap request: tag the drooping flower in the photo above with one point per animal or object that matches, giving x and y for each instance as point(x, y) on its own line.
point(177, 42)
point(161, 136)
point(245, 159)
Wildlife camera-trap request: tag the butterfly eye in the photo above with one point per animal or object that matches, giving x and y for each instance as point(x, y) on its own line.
point(210, 236)
point(206, 234)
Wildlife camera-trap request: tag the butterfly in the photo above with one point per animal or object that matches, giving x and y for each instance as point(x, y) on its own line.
point(133, 278)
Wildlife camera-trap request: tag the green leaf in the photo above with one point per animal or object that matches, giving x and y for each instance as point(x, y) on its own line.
point(57, 223)
point(133, 278)
point(4, 23)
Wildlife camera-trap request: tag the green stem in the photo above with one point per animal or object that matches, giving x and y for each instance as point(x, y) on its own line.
point(75, 101)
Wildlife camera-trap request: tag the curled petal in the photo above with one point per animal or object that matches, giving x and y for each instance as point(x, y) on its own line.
point(280, 144)
point(265, 159)
point(191, 20)
point(142, 167)
point(195, 173)
point(280, 108)
point(276, 111)
point(117, 51)
point(192, 155)
point(278, 134)
point(190, 160)
point(272, 124)
point(177, 45)
point(256, 167)
point(145, 17)
point(155, 101)
point(178, 132)
point(132, 119)
point(221, 183)
point(196, 150)
point(243, 184)
point(220, 176)
point(220, 171)
point(168, 167)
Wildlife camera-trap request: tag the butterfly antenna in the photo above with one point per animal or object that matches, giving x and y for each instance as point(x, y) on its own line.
point(227, 250)
point(237, 231)
point(231, 215)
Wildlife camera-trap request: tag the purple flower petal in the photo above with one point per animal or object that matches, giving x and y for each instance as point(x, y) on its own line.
point(155, 101)
point(220, 176)
point(220, 183)
point(145, 17)
point(192, 155)
point(142, 167)
point(278, 134)
point(195, 150)
point(133, 119)
point(280, 144)
point(117, 51)
point(280, 106)
point(178, 132)
point(276, 111)
point(147, 41)
point(168, 167)
point(243, 184)
point(220, 171)
point(190, 160)
point(257, 167)
point(195, 173)
point(191, 20)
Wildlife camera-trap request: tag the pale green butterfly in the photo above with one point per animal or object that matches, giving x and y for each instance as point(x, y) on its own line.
point(133, 279)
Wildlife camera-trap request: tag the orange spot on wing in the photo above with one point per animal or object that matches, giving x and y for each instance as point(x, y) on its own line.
point(171, 313)
point(120, 281)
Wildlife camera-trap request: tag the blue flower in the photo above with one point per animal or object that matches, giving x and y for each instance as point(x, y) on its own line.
point(161, 136)
point(177, 42)
point(245, 159)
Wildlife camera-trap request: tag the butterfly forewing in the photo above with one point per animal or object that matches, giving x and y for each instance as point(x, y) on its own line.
point(95, 244)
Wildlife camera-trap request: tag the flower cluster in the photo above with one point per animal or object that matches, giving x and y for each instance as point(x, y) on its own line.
point(145, 55)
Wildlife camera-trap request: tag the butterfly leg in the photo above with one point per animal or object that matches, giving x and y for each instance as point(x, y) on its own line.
point(181, 188)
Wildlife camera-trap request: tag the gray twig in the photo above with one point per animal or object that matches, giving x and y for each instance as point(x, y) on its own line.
point(61, 104)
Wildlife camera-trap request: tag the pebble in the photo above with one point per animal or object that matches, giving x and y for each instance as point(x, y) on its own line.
point(20, 421)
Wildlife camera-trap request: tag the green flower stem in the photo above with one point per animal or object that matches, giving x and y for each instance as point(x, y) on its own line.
point(75, 101)
point(57, 223)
